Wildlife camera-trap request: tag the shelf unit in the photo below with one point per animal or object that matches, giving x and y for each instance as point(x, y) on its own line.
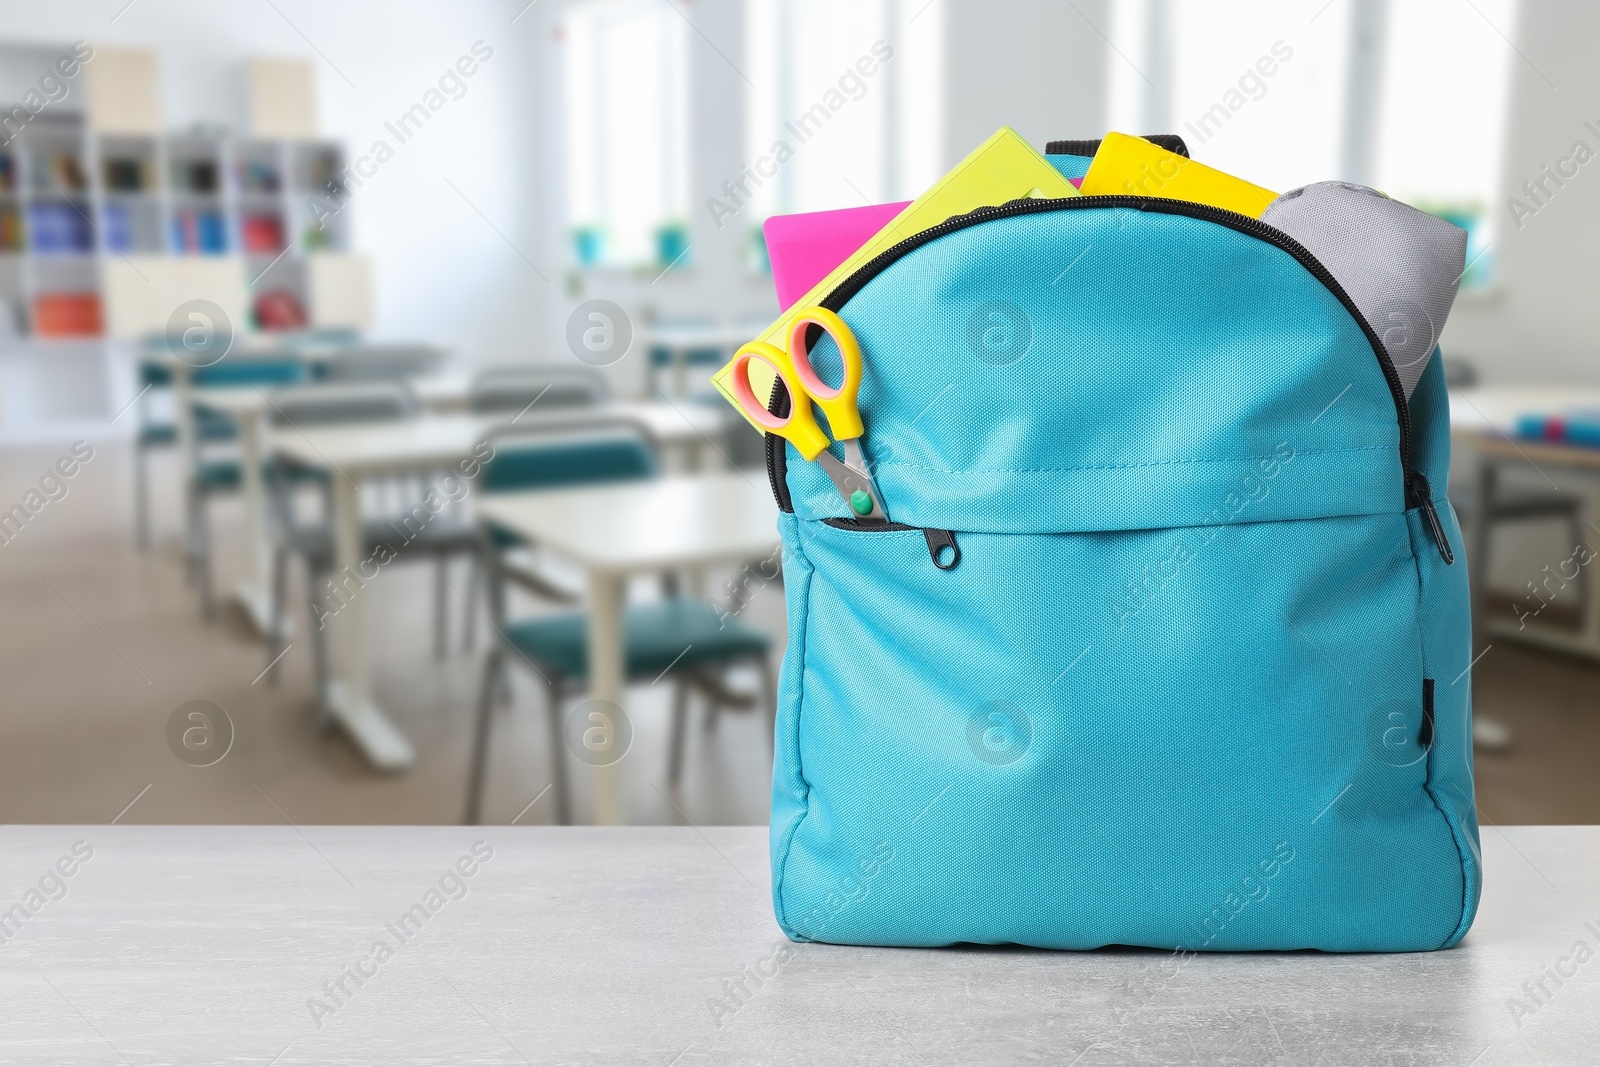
point(77, 205)
point(75, 198)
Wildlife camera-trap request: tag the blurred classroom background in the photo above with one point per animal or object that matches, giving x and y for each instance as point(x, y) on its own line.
point(284, 285)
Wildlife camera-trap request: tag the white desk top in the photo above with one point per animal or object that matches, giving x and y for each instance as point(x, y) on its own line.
point(709, 335)
point(240, 402)
point(675, 521)
point(446, 390)
point(197, 944)
point(444, 439)
point(1497, 407)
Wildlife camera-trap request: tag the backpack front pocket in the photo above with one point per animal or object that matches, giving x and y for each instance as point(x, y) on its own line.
point(1080, 739)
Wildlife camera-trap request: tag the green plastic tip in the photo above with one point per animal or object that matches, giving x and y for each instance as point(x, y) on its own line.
point(861, 502)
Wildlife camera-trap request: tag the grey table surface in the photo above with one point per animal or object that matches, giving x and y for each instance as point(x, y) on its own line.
point(634, 945)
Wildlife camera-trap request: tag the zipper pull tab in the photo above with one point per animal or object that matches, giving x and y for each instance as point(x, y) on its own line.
point(943, 548)
point(1421, 494)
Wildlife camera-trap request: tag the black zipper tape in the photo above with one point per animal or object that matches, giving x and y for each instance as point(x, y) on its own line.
point(1425, 731)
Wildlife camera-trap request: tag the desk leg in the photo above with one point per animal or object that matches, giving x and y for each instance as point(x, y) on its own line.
point(606, 681)
point(693, 463)
point(1591, 590)
point(1478, 564)
point(1487, 733)
point(349, 699)
point(188, 457)
point(253, 594)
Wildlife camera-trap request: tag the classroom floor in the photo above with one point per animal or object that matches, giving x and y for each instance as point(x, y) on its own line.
point(99, 642)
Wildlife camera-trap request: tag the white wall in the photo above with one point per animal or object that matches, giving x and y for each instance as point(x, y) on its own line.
point(442, 273)
point(1039, 68)
point(1542, 322)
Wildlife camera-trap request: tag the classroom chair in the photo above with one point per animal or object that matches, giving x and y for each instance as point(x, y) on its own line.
point(152, 433)
point(209, 477)
point(446, 533)
point(685, 639)
point(514, 389)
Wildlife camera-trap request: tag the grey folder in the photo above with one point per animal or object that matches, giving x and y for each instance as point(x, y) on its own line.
point(1399, 265)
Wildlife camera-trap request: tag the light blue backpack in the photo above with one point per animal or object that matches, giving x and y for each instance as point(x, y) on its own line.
point(1168, 642)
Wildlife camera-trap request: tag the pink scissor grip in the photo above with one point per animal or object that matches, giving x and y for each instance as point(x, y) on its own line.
point(755, 408)
point(800, 356)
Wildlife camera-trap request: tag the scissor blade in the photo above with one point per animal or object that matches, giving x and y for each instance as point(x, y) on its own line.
point(850, 481)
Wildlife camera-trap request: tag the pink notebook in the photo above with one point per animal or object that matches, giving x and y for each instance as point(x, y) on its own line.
point(804, 249)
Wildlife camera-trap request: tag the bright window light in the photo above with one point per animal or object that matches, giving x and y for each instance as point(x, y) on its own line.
point(844, 105)
point(1447, 82)
point(1264, 94)
point(627, 135)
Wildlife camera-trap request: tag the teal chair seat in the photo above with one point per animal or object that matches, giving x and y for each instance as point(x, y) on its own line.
point(681, 634)
point(211, 426)
point(500, 537)
point(225, 474)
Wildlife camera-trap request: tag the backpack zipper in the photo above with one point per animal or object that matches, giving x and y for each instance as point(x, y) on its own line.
point(1419, 494)
point(777, 460)
point(938, 540)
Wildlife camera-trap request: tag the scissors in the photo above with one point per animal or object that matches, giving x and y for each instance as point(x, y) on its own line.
point(799, 427)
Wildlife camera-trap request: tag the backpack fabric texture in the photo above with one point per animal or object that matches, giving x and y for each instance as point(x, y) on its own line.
point(1198, 678)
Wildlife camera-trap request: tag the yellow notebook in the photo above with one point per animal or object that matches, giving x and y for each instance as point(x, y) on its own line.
point(1005, 167)
point(1132, 166)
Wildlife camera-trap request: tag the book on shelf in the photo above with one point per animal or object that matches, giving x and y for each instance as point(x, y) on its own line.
point(261, 234)
point(56, 228)
point(199, 230)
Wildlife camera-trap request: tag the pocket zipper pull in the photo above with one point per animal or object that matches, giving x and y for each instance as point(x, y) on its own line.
point(938, 541)
point(1422, 497)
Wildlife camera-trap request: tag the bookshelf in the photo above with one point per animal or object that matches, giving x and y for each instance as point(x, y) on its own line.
point(101, 233)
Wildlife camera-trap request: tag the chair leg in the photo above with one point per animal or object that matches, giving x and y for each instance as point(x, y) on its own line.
point(1582, 579)
point(480, 738)
point(680, 724)
point(558, 753)
point(505, 685)
point(141, 496)
point(208, 601)
point(191, 537)
point(713, 709)
point(319, 650)
point(440, 615)
point(469, 624)
point(275, 613)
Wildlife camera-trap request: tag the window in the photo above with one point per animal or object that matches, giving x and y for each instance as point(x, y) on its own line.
point(1446, 93)
point(1439, 75)
point(1203, 77)
point(843, 107)
point(627, 133)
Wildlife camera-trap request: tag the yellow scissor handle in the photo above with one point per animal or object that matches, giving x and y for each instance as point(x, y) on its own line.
point(800, 425)
point(844, 417)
